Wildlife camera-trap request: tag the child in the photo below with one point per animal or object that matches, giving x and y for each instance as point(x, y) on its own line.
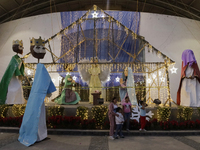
point(127, 111)
point(119, 122)
point(142, 115)
point(111, 115)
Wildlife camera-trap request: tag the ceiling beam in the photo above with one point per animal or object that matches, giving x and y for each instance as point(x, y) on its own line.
point(174, 8)
point(16, 2)
point(3, 9)
point(191, 2)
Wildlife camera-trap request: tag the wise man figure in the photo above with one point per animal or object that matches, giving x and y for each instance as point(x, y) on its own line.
point(11, 91)
point(189, 88)
point(33, 126)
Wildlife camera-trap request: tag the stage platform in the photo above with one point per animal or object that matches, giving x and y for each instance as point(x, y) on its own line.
point(70, 110)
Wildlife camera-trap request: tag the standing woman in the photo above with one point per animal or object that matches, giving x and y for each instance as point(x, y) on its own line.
point(111, 115)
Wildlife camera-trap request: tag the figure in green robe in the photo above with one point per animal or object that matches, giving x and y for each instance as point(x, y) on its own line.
point(68, 96)
point(11, 91)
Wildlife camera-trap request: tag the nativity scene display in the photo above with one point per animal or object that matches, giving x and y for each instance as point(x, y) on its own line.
point(98, 55)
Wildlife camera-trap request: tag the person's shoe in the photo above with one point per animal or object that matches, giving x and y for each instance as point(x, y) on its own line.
point(144, 130)
point(111, 137)
point(116, 137)
point(122, 136)
point(140, 129)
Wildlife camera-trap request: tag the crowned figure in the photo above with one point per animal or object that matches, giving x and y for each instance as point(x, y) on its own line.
point(10, 85)
point(189, 88)
point(33, 127)
point(95, 75)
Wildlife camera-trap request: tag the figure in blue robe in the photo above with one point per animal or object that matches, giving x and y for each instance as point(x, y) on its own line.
point(33, 126)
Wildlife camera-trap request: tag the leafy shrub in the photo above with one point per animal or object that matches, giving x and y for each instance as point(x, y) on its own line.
point(82, 112)
point(99, 114)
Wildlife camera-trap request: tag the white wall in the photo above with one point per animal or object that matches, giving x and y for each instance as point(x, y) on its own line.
point(24, 29)
point(171, 35)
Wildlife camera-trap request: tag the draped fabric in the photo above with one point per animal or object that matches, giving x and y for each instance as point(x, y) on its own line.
point(33, 126)
point(101, 38)
point(129, 89)
point(10, 86)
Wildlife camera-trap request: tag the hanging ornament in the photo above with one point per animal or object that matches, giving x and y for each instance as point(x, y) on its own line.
point(94, 14)
point(173, 70)
point(117, 79)
point(74, 78)
point(150, 49)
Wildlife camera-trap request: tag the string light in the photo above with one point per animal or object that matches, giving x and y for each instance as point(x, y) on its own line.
point(29, 72)
point(59, 78)
point(150, 48)
point(108, 79)
point(68, 73)
point(148, 80)
point(162, 79)
point(154, 76)
point(160, 73)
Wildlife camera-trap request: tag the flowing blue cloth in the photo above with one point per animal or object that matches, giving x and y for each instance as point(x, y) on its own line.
point(131, 87)
point(42, 85)
point(130, 90)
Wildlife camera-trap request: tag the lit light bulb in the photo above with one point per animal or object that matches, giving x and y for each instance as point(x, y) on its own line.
point(148, 80)
point(154, 76)
point(160, 73)
point(108, 79)
point(162, 79)
point(28, 72)
point(59, 78)
point(53, 80)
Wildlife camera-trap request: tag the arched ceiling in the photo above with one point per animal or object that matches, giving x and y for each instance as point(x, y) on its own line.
point(15, 9)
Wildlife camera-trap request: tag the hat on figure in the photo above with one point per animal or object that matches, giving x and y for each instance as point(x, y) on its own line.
point(17, 46)
point(37, 48)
